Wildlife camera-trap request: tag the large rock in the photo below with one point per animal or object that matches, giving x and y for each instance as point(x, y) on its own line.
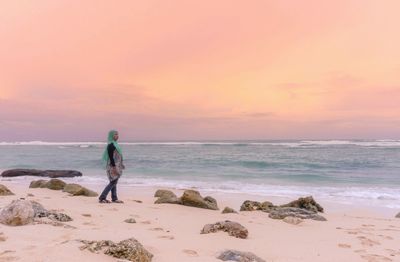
point(232, 228)
point(18, 213)
point(194, 199)
point(54, 184)
point(4, 191)
point(43, 173)
point(166, 197)
point(128, 249)
point(38, 209)
point(249, 205)
point(398, 215)
point(234, 255)
point(282, 212)
point(305, 203)
point(78, 190)
point(38, 183)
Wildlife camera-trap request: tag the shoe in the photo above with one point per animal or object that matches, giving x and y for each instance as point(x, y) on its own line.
point(104, 201)
point(118, 201)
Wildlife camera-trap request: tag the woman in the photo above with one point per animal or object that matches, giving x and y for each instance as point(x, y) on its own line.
point(112, 156)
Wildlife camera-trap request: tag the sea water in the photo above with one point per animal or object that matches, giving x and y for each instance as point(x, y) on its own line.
point(345, 171)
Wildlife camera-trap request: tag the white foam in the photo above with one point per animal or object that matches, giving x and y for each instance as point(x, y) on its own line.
point(308, 143)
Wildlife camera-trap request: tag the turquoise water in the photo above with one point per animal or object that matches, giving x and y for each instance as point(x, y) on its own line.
point(341, 170)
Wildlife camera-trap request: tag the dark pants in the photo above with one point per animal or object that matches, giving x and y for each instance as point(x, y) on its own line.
point(112, 186)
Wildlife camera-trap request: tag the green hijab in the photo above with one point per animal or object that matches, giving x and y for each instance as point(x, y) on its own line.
point(110, 140)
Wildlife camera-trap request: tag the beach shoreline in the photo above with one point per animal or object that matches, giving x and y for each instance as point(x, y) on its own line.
point(172, 232)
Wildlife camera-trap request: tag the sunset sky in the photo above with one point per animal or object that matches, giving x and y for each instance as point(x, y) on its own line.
point(199, 70)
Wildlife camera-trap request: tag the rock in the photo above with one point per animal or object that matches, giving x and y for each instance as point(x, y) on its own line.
point(166, 197)
point(18, 213)
point(282, 212)
point(194, 199)
point(4, 191)
point(60, 217)
point(305, 203)
point(234, 255)
point(232, 228)
point(42, 173)
point(39, 210)
point(249, 205)
point(293, 220)
point(30, 195)
point(229, 210)
point(38, 183)
point(55, 184)
point(163, 192)
point(129, 249)
point(78, 190)
point(398, 215)
point(130, 220)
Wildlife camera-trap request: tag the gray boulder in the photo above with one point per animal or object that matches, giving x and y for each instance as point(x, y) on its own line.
point(18, 213)
point(305, 203)
point(194, 199)
point(234, 255)
point(249, 205)
point(4, 191)
point(166, 197)
point(398, 215)
point(232, 228)
point(282, 212)
point(40, 173)
point(128, 249)
point(78, 190)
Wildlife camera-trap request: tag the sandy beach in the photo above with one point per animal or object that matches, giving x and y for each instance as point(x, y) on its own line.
point(172, 232)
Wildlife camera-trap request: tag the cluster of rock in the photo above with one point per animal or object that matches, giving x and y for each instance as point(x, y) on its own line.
point(57, 184)
point(234, 255)
point(22, 212)
point(128, 249)
point(41, 173)
point(232, 228)
point(303, 208)
point(4, 191)
point(189, 198)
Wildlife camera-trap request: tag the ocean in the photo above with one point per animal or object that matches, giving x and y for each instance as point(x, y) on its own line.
point(342, 171)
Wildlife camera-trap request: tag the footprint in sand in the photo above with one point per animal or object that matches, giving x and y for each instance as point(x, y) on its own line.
point(7, 258)
point(366, 225)
point(375, 258)
point(2, 237)
point(360, 251)
point(147, 222)
point(344, 245)
point(167, 237)
point(393, 252)
point(156, 229)
point(190, 252)
point(386, 237)
point(86, 215)
point(368, 242)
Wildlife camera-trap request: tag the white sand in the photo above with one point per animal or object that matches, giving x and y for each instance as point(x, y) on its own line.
point(172, 232)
